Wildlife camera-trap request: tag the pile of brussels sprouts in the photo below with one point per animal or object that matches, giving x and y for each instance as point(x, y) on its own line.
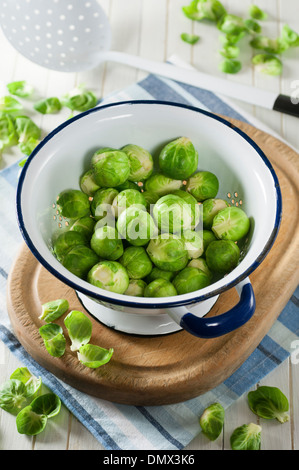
point(147, 232)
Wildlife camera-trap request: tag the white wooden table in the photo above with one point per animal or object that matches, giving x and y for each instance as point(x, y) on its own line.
point(151, 29)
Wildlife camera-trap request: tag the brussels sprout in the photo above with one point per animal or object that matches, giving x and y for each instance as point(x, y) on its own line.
point(97, 155)
point(136, 261)
point(212, 420)
point(150, 198)
point(53, 310)
point(194, 205)
point(256, 13)
point(178, 159)
point(246, 437)
point(65, 241)
point(210, 207)
point(193, 242)
point(231, 223)
point(54, 339)
point(161, 184)
point(94, 356)
point(109, 275)
point(230, 51)
point(101, 203)
point(79, 328)
point(79, 260)
point(253, 26)
point(222, 256)
point(88, 184)
point(106, 243)
point(200, 263)
point(269, 403)
point(160, 288)
point(208, 237)
point(111, 168)
point(230, 66)
point(168, 252)
point(211, 10)
point(190, 38)
point(85, 226)
point(157, 273)
point(231, 24)
point(203, 185)
point(190, 279)
point(127, 198)
point(136, 225)
point(141, 162)
point(73, 204)
point(268, 64)
point(136, 288)
point(172, 214)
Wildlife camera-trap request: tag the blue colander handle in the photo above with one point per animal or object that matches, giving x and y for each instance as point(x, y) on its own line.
point(212, 327)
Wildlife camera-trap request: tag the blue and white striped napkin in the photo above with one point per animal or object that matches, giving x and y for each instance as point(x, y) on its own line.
point(122, 427)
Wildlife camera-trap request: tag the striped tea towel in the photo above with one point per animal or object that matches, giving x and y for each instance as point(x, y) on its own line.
point(122, 427)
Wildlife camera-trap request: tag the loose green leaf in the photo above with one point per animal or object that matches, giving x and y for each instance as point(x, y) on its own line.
point(269, 403)
point(53, 310)
point(48, 106)
point(28, 146)
point(26, 129)
point(8, 104)
point(20, 88)
point(8, 133)
point(212, 420)
point(54, 339)
point(22, 162)
point(268, 64)
point(190, 38)
point(252, 26)
point(256, 13)
point(289, 36)
point(32, 383)
point(198, 10)
point(232, 25)
point(230, 52)
point(80, 99)
point(79, 328)
point(30, 423)
point(246, 437)
point(13, 396)
point(230, 66)
point(94, 356)
point(272, 46)
point(48, 404)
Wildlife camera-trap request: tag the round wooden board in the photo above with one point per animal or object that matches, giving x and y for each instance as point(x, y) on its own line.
point(175, 367)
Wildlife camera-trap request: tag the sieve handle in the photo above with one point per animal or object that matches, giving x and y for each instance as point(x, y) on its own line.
point(212, 327)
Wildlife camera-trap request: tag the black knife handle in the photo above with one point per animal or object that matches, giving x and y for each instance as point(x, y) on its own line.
point(284, 104)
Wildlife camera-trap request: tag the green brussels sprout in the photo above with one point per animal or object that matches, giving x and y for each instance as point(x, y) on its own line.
point(88, 184)
point(136, 226)
point(136, 261)
point(79, 260)
point(73, 204)
point(268, 64)
point(109, 275)
point(136, 288)
point(127, 198)
point(106, 243)
point(168, 252)
point(222, 256)
point(178, 159)
point(194, 205)
point(111, 168)
point(101, 204)
point(203, 185)
point(210, 207)
point(190, 279)
point(200, 263)
point(160, 288)
point(231, 223)
point(97, 155)
point(150, 198)
point(208, 237)
point(85, 226)
point(212, 420)
point(141, 162)
point(231, 24)
point(172, 214)
point(246, 437)
point(161, 184)
point(66, 241)
point(193, 241)
point(157, 273)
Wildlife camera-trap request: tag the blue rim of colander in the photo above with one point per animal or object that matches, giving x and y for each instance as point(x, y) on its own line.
point(194, 296)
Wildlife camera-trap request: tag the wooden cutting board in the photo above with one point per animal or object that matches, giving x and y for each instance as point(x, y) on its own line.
point(176, 367)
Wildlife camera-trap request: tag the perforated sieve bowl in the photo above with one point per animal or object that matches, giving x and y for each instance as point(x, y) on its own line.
point(246, 179)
